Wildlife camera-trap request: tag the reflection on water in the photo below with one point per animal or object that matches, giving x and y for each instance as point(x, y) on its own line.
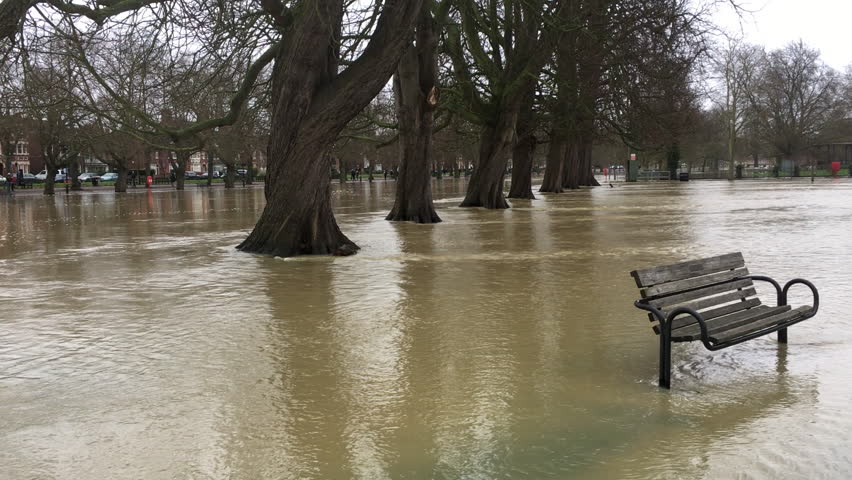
point(135, 342)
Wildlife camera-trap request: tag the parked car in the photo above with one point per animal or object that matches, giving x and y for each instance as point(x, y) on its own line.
point(41, 176)
point(28, 179)
point(202, 176)
point(60, 177)
point(190, 175)
point(88, 177)
point(109, 177)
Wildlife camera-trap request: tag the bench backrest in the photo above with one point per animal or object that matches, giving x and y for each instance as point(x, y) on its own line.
point(714, 286)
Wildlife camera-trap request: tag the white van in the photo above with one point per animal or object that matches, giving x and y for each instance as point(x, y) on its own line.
point(42, 175)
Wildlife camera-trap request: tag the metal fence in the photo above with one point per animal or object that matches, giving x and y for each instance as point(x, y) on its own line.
point(769, 173)
point(650, 175)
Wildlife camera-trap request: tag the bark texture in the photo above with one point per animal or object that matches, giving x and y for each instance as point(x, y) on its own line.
point(249, 171)
point(180, 178)
point(74, 174)
point(416, 99)
point(522, 162)
point(50, 180)
point(552, 181)
point(524, 149)
point(179, 168)
point(121, 182)
point(231, 174)
point(571, 170)
point(485, 188)
point(587, 175)
point(311, 103)
point(12, 13)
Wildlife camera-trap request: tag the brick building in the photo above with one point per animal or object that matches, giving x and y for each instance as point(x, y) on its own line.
point(26, 156)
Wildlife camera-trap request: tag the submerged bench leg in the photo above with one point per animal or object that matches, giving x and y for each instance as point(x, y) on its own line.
point(665, 361)
point(782, 335)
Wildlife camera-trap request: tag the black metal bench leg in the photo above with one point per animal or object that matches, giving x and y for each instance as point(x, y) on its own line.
point(665, 361)
point(782, 335)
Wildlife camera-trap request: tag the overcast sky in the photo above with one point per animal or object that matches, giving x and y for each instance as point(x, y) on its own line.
point(824, 24)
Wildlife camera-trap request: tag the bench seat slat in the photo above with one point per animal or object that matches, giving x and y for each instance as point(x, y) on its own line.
point(683, 321)
point(734, 333)
point(701, 293)
point(692, 283)
point(708, 302)
point(727, 322)
point(681, 271)
point(718, 312)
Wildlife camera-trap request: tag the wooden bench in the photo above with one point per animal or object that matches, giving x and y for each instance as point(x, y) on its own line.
point(713, 300)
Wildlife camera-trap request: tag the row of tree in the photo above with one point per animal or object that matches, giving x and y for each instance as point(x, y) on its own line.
point(772, 104)
point(308, 76)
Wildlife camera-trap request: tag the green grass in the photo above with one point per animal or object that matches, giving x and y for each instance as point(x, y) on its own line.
point(844, 172)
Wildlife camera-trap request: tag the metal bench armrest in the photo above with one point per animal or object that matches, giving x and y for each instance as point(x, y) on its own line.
point(795, 281)
point(661, 317)
point(778, 291)
point(666, 322)
point(667, 328)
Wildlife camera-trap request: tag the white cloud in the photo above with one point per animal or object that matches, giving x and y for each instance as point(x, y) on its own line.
point(823, 24)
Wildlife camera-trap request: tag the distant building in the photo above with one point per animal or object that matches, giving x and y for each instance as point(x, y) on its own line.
point(26, 156)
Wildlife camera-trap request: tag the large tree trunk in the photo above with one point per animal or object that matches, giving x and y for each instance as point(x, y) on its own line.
point(74, 174)
point(485, 188)
point(311, 104)
point(553, 172)
point(571, 167)
point(298, 219)
point(414, 89)
point(524, 148)
point(732, 143)
point(121, 182)
point(587, 175)
point(50, 180)
point(249, 170)
point(522, 160)
point(179, 168)
point(231, 175)
point(180, 176)
point(558, 174)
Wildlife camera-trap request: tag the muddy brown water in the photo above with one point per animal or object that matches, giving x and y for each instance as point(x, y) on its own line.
point(135, 342)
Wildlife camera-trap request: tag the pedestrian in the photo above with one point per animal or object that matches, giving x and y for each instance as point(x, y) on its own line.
point(172, 177)
point(20, 179)
point(386, 175)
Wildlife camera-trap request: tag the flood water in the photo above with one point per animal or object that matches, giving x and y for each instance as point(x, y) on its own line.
point(136, 343)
